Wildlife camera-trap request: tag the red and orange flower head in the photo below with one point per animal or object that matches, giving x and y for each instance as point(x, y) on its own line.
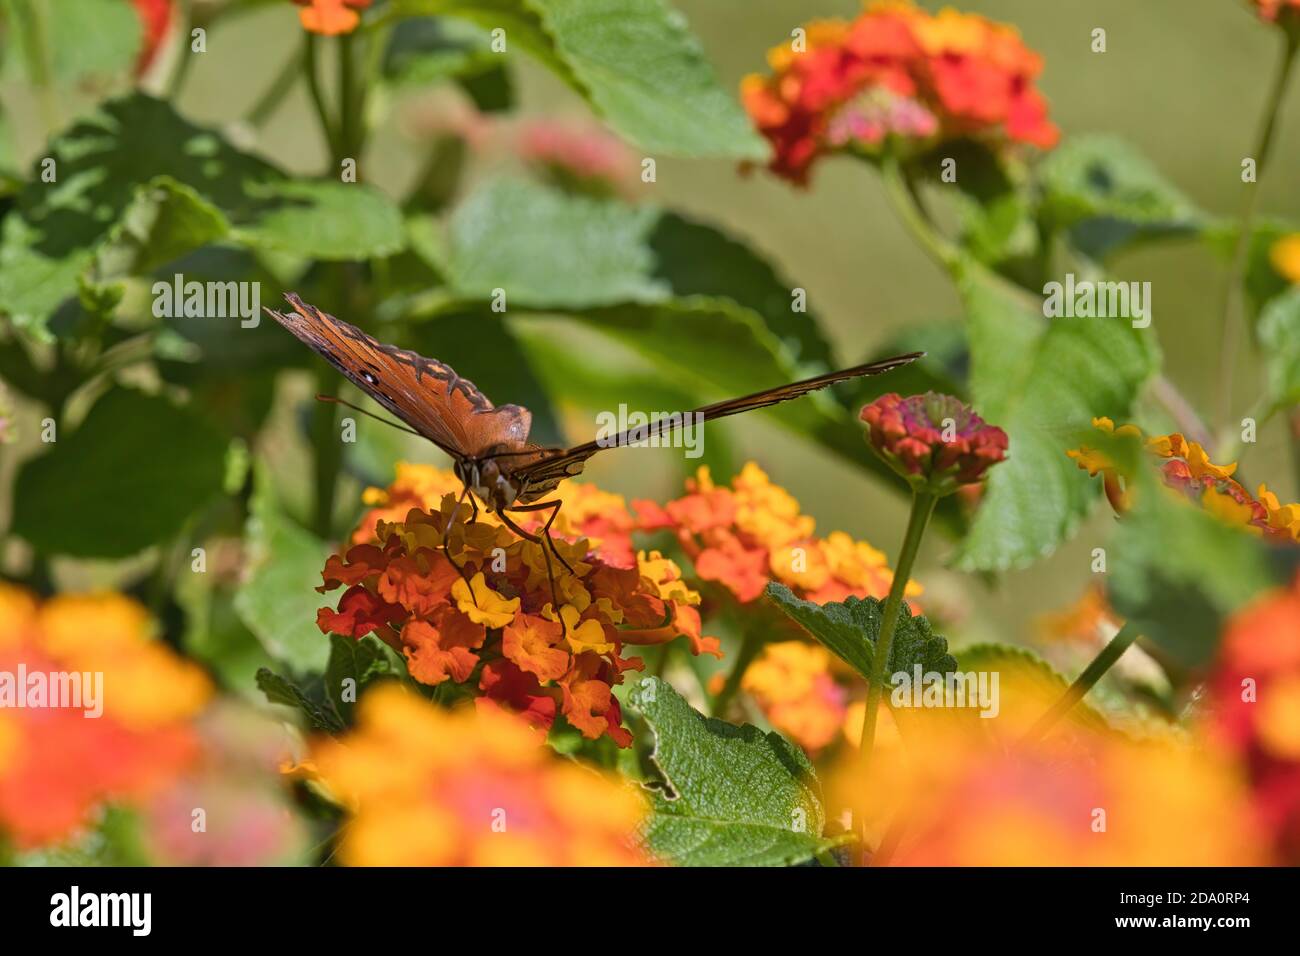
point(753, 532)
point(934, 441)
point(139, 744)
point(1255, 709)
point(1188, 471)
point(429, 787)
point(1285, 13)
point(472, 603)
point(330, 17)
point(896, 75)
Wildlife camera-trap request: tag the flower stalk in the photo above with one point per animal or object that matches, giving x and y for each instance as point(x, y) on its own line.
point(923, 503)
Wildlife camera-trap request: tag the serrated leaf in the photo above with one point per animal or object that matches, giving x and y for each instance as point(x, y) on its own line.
point(635, 61)
point(102, 162)
point(850, 629)
point(282, 690)
point(548, 249)
point(731, 796)
point(152, 464)
point(277, 600)
point(1041, 382)
point(354, 659)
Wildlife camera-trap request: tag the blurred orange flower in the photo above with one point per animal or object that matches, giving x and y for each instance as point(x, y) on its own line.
point(330, 17)
point(472, 602)
point(155, 17)
point(896, 72)
point(58, 763)
point(793, 685)
point(1277, 11)
point(753, 532)
point(429, 787)
point(1255, 708)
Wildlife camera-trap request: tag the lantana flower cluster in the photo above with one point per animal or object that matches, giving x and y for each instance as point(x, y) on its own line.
point(753, 532)
point(432, 787)
point(896, 72)
point(472, 603)
point(58, 766)
point(1187, 469)
point(935, 442)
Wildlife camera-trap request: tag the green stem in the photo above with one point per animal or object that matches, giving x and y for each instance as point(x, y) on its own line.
point(318, 98)
point(279, 88)
point(906, 204)
point(30, 25)
point(176, 82)
point(750, 645)
point(348, 120)
point(923, 503)
point(1230, 333)
point(1103, 662)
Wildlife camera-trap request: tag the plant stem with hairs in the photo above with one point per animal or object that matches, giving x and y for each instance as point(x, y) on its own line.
point(922, 508)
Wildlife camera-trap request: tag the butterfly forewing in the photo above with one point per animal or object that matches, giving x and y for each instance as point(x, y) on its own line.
point(541, 474)
point(426, 394)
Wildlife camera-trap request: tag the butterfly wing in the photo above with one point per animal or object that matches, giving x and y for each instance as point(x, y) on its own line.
point(542, 474)
point(426, 394)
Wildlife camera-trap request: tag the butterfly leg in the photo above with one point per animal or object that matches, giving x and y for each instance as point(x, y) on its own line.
point(546, 528)
point(460, 568)
point(550, 572)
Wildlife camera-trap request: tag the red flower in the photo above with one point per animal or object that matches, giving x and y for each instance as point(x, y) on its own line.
point(155, 17)
point(896, 74)
point(934, 441)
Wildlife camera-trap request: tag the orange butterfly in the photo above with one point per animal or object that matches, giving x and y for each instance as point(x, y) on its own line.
point(489, 444)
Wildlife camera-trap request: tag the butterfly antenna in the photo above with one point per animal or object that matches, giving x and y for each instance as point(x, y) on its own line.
point(356, 408)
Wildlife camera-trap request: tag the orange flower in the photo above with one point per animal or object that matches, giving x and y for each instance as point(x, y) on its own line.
point(1189, 471)
point(429, 787)
point(793, 684)
point(140, 742)
point(155, 17)
point(1255, 708)
point(330, 17)
point(896, 74)
point(472, 603)
point(753, 532)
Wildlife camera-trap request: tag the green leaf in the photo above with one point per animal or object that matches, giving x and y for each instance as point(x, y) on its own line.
point(278, 600)
point(152, 464)
point(728, 795)
point(104, 42)
point(426, 51)
point(548, 249)
point(1279, 338)
point(283, 690)
point(351, 659)
point(1041, 382)
point(635, 62)
point(164, 221)
point(1109, 195)
point(1027, 687)
point(648, 76)
point(101, 165)
point(695, 258)
point(850, 629)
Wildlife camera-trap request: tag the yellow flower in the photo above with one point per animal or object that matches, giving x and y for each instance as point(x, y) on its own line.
point(482, 604)
point(587, 636)
point(1285, 256)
